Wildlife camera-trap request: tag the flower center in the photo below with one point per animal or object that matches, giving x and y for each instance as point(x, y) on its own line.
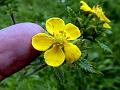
point(60, 38)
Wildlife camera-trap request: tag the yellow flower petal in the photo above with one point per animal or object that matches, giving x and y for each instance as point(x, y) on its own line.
point(106, 25)
point(105, 19)
point(54, 25)
point(100, 14)
point(41, 41)
point(72, 32)
point(54, 56)
point(72, 52)
point(85, 7)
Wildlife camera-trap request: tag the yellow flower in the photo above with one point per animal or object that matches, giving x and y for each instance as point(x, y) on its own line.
point(100, 14)
point(56, 45)
point(96, 9)
point(85, 7)
point(106, 25)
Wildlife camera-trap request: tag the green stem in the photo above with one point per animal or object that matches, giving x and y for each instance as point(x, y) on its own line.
point(13, 18)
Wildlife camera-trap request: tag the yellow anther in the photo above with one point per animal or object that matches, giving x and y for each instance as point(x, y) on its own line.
point(58, 44)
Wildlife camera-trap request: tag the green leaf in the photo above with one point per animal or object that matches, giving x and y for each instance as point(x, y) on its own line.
point(85, 65)
point(104, 47)
point(71, 13)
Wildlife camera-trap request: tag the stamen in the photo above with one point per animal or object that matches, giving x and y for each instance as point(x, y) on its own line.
point(59, 38)
point(50, 41)
point(58, 44)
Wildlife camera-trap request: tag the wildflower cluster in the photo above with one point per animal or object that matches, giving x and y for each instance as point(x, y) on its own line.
point(97, 10)
point(58, 43)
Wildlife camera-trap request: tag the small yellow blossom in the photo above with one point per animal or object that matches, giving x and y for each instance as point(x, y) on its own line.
point(106, 25)
point(56, 45)
point(85, 7)
point(100, 14)
point(96, 9)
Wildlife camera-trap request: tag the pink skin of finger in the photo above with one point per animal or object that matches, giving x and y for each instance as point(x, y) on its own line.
point(16, 50)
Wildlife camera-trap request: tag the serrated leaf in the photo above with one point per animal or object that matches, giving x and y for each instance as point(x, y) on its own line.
point(104, 47)
point(71, 12)
point(84, 64)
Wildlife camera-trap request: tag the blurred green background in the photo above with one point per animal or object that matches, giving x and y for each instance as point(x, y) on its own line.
point(66, 77)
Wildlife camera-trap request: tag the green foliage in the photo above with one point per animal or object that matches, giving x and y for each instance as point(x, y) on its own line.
point(104, 47)
point(99, 65)
point(84, 64)
point(9, 6)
